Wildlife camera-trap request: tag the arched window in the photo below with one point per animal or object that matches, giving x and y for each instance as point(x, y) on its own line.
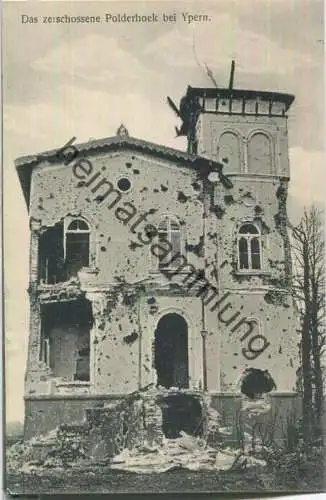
point(260, 154)
point(249, 247)
point(229, 151)
point(76, 246)
point(169, 230)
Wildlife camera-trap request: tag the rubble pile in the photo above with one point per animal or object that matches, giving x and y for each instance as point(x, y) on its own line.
point(255, 420)
point(59, 448)
point(202, 453)
point(187, 453)
point(114, 427)
point(17, 455)
point(213, 424)
point(128, 435)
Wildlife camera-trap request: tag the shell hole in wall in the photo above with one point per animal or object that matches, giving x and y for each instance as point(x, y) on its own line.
point(256, 382)
point(181, 412)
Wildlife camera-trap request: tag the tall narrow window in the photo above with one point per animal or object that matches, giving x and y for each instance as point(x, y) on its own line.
point(77, 246)
point(51, 255)
point(83, 357)
point(243, 253)
point(169, 231)
point(249, 247)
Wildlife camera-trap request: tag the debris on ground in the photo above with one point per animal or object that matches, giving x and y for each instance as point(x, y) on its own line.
point(58, 448)
point(225, 459)
point(94, 442)
point(255, 407)
point(186, 452)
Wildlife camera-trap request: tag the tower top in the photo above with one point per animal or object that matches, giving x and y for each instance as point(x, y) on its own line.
point(234, 95)
point(231, 101)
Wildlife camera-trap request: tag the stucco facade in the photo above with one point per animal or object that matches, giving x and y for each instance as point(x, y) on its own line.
point(104, 295)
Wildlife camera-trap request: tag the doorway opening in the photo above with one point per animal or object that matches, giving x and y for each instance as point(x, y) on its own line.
point(171, 352)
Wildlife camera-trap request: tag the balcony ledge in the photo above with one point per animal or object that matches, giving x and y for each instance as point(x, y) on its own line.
point(252, 272)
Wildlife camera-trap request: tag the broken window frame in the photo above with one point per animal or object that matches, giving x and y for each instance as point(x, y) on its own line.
point(168, 229)
point(51, 266)
point(82, 351)
point(68, 222)
point(77, 375)
point(247, 252)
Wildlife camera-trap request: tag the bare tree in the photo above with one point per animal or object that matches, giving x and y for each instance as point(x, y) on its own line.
point(309, 291)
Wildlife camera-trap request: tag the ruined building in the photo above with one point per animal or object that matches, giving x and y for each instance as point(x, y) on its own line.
point(153, 266)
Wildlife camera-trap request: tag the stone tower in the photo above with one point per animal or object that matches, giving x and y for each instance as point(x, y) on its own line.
point(246, 131)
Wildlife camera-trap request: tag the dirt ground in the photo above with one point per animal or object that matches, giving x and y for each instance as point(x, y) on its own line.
point(104, 480)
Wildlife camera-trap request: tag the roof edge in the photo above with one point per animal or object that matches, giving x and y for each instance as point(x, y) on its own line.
point(25, 164)
point(247, 94)
point(110, 142)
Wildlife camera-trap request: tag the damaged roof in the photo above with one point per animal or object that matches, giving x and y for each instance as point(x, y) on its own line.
point(25, 164)
point(233, 93)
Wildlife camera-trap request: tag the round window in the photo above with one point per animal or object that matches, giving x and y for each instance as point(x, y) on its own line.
point(124, 184)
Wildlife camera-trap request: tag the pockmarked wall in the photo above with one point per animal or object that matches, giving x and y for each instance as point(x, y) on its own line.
point(261, 296)
point(157, 189)
point(123, 251)
point(252, 143)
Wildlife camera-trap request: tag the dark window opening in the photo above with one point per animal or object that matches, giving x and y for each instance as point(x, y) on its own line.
point(82, 366)
point(65, 339)
point(181, 412)
point(169, 231)
point(256, 382)
point(243, 253)
point(77, 252)
point(51, 255)
point(171, 352)
point(62, 256)
point(255, 253)
point(249, 247)
point(77, 247)
point(248, 229)
point(162, 238)
point(78, 225)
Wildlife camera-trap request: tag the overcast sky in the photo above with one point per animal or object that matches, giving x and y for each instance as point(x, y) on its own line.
point(67, 80)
